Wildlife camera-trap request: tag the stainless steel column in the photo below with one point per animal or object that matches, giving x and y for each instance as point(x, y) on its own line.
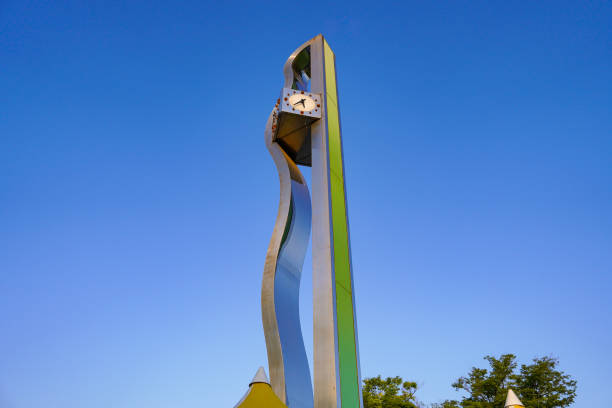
point(326, 378)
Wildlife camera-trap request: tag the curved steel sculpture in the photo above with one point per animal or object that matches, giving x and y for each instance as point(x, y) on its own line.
point(309, 134)
point(289, 370)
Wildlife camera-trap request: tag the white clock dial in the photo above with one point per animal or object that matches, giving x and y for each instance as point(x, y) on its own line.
point(297, 102)
point(302, 102)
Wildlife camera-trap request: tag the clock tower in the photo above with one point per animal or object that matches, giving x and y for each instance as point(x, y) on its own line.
point(303, 129)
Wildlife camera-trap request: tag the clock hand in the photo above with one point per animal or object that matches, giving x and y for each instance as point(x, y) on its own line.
point(300, 101)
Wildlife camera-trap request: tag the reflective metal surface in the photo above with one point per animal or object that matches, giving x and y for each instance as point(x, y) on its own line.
point(305, 139)
point(325, 355)
point(336, 355)
point(289, 370)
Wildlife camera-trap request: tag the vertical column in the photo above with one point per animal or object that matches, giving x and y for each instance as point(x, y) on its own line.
point(345, 301)
point(324, 347)
point(336, 361)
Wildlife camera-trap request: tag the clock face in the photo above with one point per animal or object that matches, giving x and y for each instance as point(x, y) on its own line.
point(302, 102)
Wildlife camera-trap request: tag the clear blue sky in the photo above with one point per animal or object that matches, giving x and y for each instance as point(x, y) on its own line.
point(137, 197)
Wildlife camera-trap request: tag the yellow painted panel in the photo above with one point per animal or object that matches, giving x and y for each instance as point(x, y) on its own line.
point(260, 395)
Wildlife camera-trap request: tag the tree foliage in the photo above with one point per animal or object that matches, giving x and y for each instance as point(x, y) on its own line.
point(391, 392)
point(487, 388)
point(541, 385)
point(538, 385)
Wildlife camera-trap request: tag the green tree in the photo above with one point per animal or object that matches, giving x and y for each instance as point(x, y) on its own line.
point(392, 392)
point(447, 404)
point(487, 388)
point(538, 385)
point(541, 385)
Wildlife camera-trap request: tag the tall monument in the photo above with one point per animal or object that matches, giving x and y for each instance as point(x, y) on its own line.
point(304, 130)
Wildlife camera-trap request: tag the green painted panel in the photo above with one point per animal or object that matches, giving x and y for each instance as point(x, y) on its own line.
point(349, 386)
point(347, 349)
point(341, 255)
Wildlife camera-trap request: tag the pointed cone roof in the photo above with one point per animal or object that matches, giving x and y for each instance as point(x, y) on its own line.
point(260, 394)
point(512, 400)
point(260, 377)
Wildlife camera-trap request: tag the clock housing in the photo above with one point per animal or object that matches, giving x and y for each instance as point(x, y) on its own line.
point(295, 112)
